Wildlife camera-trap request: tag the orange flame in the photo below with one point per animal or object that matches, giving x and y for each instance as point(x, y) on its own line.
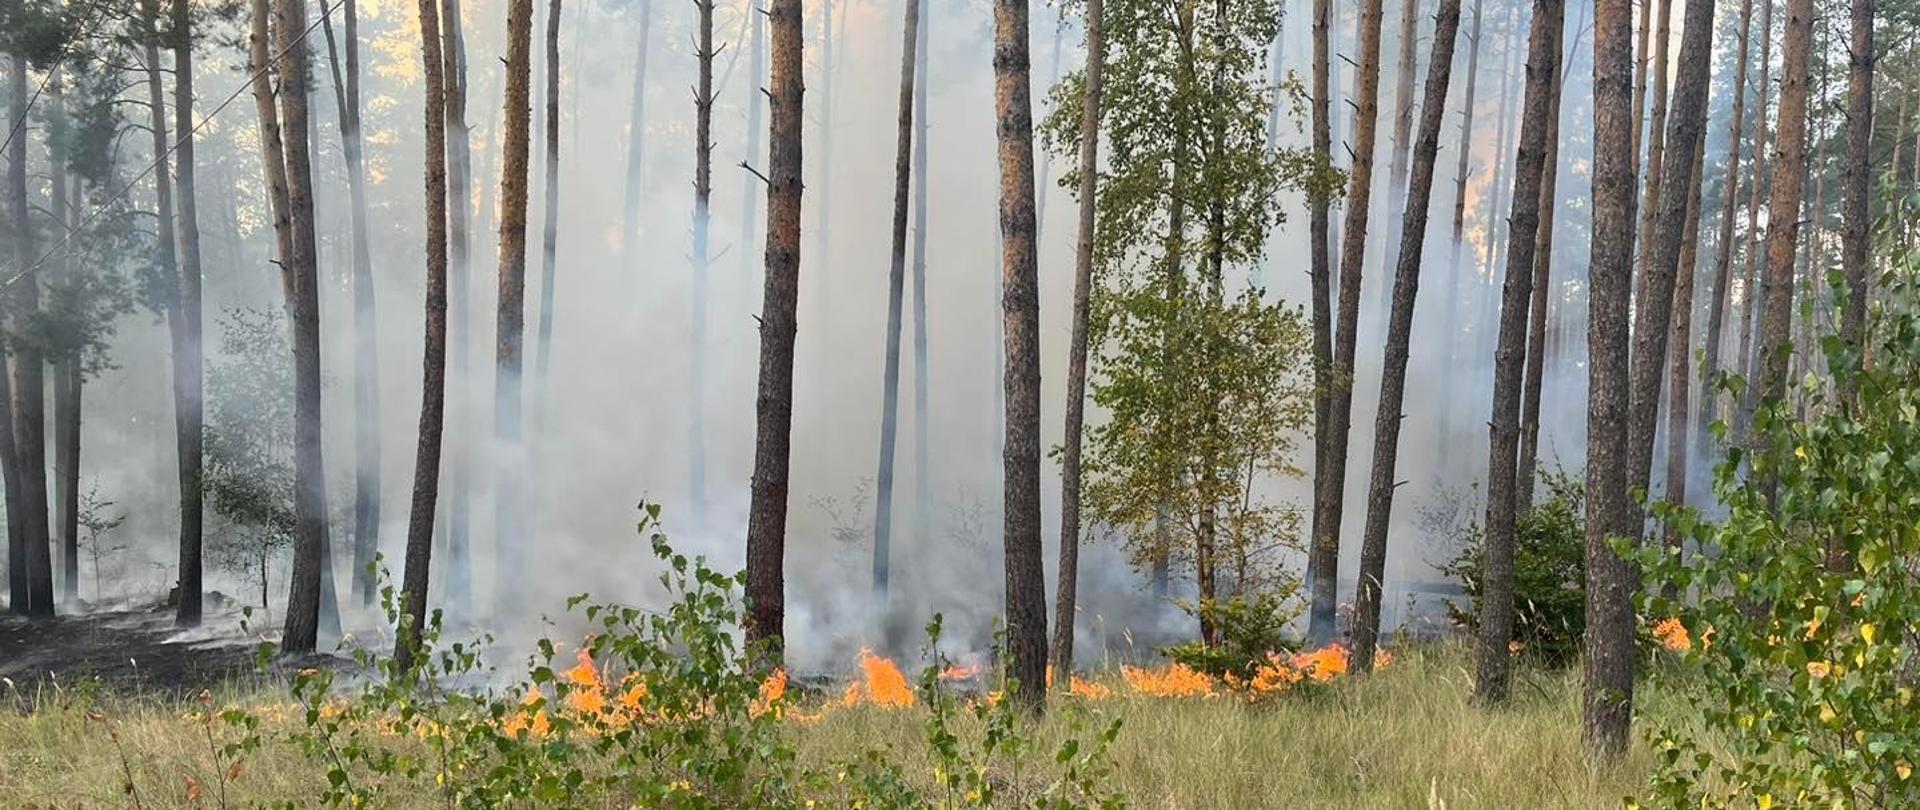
point(1175, 680)
point(883, 686)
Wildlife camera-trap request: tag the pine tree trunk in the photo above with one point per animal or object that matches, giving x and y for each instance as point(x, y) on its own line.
point(29, 375)
point(433, 399)
point(1530, 166)
point(1065, 614)
point(1859, 177)
point(550, 227)
point(23, 559)
point(1538, 314)
point(1493, 259)
point(750, 190)
point(66, 401)
point(922, 464)
point(1719, 291)
point(1025, 584)
point(1397, 165)
point(1406, 288)
point(1643, 62)
point(1790, 154)
point(773, 438)
point(896, 291)
point(1607, 692)
point(303, 303)
point(510, 319)
point(702, 230)
point(1366, 613)
point(1751, 290)
point(183, 321)
point(823, 222)
point(1679, 356)
point(1656, 135)
point(1455, 295)
point(1323, 564)
point(459, 566)
point(637, 148)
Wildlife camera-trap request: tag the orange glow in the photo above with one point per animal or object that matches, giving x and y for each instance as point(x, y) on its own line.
point(1673, 635)
point(1175, 680)
point(959, 672)
point(883, 686)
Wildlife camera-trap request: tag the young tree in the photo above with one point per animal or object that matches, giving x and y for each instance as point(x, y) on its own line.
point(1026, 590)
point(510, 322)
point(1406, 288)
point(1607, 691)
point(773, 430)
point(1347, 328)
point(1719, 290)
point(1783, 229)
point(1323, 560)
point(896, 287)
point(1087, 188)
point(433, 398)
point(1503, 444)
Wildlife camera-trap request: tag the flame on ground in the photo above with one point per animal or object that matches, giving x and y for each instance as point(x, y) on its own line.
point(883, 684)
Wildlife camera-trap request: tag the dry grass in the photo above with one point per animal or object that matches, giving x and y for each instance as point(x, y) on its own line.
point(1395, 740)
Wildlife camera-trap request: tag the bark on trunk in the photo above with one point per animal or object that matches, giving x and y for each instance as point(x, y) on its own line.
point(458, 568)
point(922, 464)
point(29, 375)
point(1323, 563)
point(896, 291)
point(66, 401)
point(1653, 319)
point(433, 399)
point(1783, 215)
point(1656, 136)
point(702, 229)
point(1397, 165)
point(1530, 162)
point(1539, 314)
point(1455, 296)
point(1719, 291)
point(1026, 598)
point(303, 303)
point(1066, 593)
point(1607, 691)
point(773, 438)
point(1859, 179)
point(636, 148)
point(550, 227)
point(1751, 291)
point(1406, 287)
point(183, 323)
point(750, 190)
point(1366, 613)
point(510, 319)
point(32, 593)
point(1679, 357)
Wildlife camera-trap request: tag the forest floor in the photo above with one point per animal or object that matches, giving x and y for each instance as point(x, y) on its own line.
point(1406, 737)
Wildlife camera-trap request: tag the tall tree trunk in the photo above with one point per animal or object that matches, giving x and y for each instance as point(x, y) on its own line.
point(896, 290)
point(1456, 300)
point(29, 375)
point(510, 319)
point(1359, 203)
point(1653, 318)
point(1065, 597)
point(1607, 691)
point(1397, 164)
point(1323, 563)
point(66, 367)
point(1044, 185)
point(1406, 288)
point(1538, 313)
point(303, 303)
point(366, 357)
point(773, 437)
point(24, 559)
point(922, 464)
point(824, 222)
point(184, 325)
point(750, 188)
point(1503, 445)
point(702, 230)
point(433, 388)
point(1643, 63)
point(1751, 291)
point(1025, 585)
point(1783, 215)
point(1679, 342)
point(1656, 142)
point(550, 227)
point(636, 148)
point(1859, 168)
point(459, 155)
point(1492, 260)
point(1719, 291)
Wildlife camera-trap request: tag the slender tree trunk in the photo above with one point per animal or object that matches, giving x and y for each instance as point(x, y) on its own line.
point(1406, 288)
point(1456, 300)
point(1656, 141)
point(24, 559)
point(66, 400)
point(303, 303)
point(1720, 287)
point(510, 320)
point(184, 325)
point(1492, 259)
point(459, 155)
point(1366, 614)
point(896, 289)
point(1783, 216)
point(550, 229)
point(1751, 290)
point(824, 223)
point(1859, 168)
point(1324, 559)
point(750, 190)
point(702, 230)
point(1397, 165)
point(773, 438)
point(922, 465)
point(1530, 166)
point(1064, 614)
point(1538, 314)
point(1044, 185)
point(1607, 692)
point(29, 375)
point(1025, 585)
point(433, 388)
point(637, 148)
point(1643, 63)
point(1679, 365)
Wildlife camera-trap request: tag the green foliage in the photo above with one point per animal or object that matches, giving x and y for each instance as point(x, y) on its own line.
point(663, 709)
point(1804, 605)
point(1250, 627)
point(249, 476)
point(1549, 574)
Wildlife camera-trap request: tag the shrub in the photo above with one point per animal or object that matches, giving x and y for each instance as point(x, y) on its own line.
point(1250, 627)
point(1549, 576)
point(1802, 633)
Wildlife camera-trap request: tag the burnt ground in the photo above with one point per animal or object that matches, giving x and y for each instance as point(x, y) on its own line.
point(132, 651)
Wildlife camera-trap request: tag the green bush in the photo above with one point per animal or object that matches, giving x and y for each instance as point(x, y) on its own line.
point(1803, 609)
point(1250, 626)
point(1549, 574)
